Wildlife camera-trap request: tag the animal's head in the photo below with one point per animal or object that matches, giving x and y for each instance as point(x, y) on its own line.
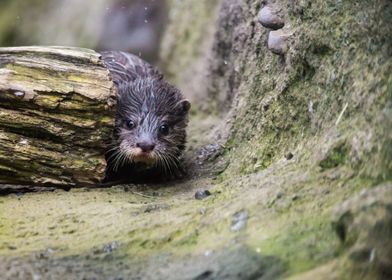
point(151, 120)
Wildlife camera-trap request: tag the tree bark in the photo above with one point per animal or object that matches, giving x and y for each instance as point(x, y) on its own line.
point(56, 116)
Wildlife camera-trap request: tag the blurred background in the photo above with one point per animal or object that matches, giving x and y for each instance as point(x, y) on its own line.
point(130, 25)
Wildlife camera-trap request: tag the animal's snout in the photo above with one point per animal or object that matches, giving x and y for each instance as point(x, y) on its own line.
point(146, 146)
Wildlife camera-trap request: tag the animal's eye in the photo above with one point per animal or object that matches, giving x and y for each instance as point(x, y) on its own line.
point(131, 124)
point(164, 129)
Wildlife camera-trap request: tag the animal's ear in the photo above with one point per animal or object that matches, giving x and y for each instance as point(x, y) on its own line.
point(183, 107)
point(186, 105)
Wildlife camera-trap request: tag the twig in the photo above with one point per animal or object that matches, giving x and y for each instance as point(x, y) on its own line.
point(341, 114)
point(144, 195)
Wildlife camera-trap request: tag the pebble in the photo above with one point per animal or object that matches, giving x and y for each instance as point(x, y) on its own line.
point(277, 41)
point(289, 155)
point(295, 197)
point(202, 194)
point(269, 18)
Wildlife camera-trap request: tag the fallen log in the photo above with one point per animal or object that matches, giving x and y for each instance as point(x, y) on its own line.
point(56, 116)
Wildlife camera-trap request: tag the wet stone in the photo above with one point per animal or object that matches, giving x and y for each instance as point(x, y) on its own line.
point(269, 18)
point(240, 220)
point(277, 41)
point(289, 156)
point(202, 194)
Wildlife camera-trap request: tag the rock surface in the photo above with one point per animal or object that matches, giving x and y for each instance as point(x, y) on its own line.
point(364, 225)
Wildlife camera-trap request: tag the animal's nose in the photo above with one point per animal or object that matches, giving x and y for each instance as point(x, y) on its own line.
point(146, 146)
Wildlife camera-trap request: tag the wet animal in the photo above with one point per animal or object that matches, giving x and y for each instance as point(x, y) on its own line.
point(150, 124)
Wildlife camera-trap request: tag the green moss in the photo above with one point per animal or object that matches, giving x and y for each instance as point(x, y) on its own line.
point(337, 156)
point(303, 246)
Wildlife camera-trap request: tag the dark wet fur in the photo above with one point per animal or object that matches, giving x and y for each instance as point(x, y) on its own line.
point(146, 99)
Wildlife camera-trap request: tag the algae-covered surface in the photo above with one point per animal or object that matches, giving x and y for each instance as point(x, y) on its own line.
point(129, 227)
point(294, 149)
point(269, 224)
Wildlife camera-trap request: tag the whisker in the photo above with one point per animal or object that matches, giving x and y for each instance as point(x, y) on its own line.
point(115, 147)
point(163, 163)
point(118, 161)
point(168, 163)
point(113, 155)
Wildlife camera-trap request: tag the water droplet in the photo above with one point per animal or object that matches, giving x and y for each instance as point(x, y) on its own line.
point(145, 21)
point(225, 62)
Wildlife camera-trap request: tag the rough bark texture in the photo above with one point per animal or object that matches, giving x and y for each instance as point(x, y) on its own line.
point(56, 115)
